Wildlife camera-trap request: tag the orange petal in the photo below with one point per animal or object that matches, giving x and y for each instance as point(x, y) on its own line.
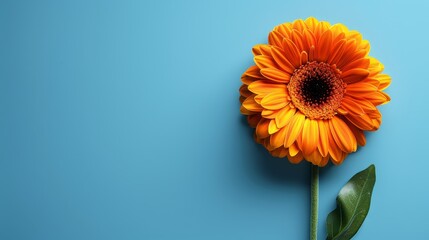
point(311, 53)
point(360, 87)
point(307, 40)
point(292, 52)
point(280, 57)
point(323, 137)
point(283, 152)
point(362, 122)
point(253, 120)
point(251, 105)
point(366, 105)
point(294, 129)
point(376, 119)
point(265, 87)
point(384, 81)
point(365, 45)
point(350, 57)
point(336, 37)
point(351, 106)
point(296, 38)
point(269, 114)
point(272, 128)
point(275, 75)
point(244, 111)
point(377, 98)
point(304, 58)
point(342, 111)
point(275, 100)
point(337, 52)
point(358, 63)
point(311, 23)
point(264, 61)
point(359, 134)
point(278, 138)
point(262, 129)
point(356, 35)
point(293, 150)
point(315, 157)
point(275, 38)
point(247, 80)
point(261, 49)
point(375, 67)
point(310, 136)
point(339, 30)
point(296, 159)
point(298, 141)
point(320, 29)
point(334, 150)
point(299, 25)
point(258, 99)
point(244, 91)
point(342, 135)
point(241, 98)
point(339, 157)
point(280, 152)
point(324, 161)
point(284, 116)
point(387, 97)
point(253, 72)
point(349, 52)
point(323, 46)
point(371, 80)
point(354, 75)
point(284, 29)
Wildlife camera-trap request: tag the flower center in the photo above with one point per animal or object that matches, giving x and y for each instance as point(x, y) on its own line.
point(317, 89)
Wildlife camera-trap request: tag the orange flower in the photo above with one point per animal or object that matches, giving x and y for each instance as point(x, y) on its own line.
point(313, 91)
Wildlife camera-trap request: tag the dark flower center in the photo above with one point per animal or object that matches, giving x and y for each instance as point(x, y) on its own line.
point(317, 89)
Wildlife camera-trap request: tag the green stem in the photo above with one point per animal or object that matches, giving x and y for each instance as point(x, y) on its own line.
point(314, 201)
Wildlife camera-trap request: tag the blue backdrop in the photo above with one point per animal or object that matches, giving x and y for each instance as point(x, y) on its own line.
point(120, 120)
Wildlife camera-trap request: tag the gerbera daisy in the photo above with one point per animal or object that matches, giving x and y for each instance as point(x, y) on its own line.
point(313, 91)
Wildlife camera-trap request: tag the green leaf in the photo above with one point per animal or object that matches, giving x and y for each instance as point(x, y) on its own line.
point(353, 203)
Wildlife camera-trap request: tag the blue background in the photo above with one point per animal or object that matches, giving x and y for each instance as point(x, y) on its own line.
point(120, 120)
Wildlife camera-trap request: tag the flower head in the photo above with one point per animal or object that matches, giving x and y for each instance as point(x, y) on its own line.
point(313, 91)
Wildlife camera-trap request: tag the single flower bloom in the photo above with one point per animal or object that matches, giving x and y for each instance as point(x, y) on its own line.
point(313, 92)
